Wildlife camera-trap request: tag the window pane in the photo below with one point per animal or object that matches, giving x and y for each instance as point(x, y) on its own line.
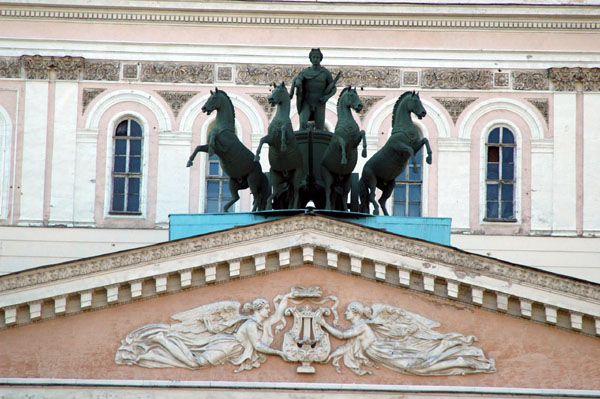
point(402, 176)
point(507, 192)
point(118, 202)
point(494, 136)
point(507, 209)
point(133, 186)
point(492, 172)
point(212, 205)
point(508, 154)
point(119, 164)
point(508, 171)
point(400, 208)
point(135, 147)
point(121, 129)
point(133, 203)
point(412, 175)
point(120, 147)
point(507, 136)
point(492, 209)
point(400, 192)
point(414, 192)
point(212, 188)
point(414, 209)
point(136, 129)
point(493, 154)
point(492, 192)
point(135, 164)
point(213, 169)
point(119, 185)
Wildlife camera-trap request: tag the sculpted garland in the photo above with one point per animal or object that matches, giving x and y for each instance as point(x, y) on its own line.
point(379, 335)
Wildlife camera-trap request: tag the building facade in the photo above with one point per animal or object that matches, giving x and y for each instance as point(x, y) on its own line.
point(100, 106)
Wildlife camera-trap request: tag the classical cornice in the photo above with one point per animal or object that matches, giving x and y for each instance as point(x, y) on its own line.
point(417, 265)
point(331, 14)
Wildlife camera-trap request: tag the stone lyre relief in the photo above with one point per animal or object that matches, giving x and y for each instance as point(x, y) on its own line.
point(380, 335)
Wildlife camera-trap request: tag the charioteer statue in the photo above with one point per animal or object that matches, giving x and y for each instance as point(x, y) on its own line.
point(313, 87)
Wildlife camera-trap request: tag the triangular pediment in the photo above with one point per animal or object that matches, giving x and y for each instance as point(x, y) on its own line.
point(108, 307)
point(315, 240)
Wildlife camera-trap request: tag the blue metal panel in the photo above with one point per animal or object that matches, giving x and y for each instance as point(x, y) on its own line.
point(425, 228)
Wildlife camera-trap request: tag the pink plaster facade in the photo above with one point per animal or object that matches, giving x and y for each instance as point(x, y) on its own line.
point(527, 354)
point(386, 45)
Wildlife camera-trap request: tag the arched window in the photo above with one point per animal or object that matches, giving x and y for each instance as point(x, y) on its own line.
point(407, 193)
point(217, 186)
point(127, 168)
point(500, 175)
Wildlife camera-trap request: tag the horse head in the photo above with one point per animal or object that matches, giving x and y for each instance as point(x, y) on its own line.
point(279, 95)
point(349, 98)
point(415, 106)
point(213, 102)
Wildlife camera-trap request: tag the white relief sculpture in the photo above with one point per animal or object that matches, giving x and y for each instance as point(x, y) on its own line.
point(207, 336)
point(217, 333)
point(405, 342)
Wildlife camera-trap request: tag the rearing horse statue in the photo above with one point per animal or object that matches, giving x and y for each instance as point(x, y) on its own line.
point(382, 169)
point(341, 155)
point(285, 157)
point(236, 160)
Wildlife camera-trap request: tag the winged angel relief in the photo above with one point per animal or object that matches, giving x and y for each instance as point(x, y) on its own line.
point(226, 331)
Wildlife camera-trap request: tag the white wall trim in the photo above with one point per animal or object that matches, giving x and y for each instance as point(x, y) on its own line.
point(147, 99)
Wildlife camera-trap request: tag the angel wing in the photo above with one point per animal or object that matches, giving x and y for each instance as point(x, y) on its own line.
point(217, 317)
point(398, 320)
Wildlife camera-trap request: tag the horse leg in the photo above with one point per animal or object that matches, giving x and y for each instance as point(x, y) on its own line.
point(260, 144)
point(276, 180)
point(425, 142)
point(364, 141)
point(233, 189)
point(386, 192)
point(346, 186)
point(296, 181)
point(342, 144)
point(203, 148)
point(283, 145)
point(328, 180)
point(258, 188)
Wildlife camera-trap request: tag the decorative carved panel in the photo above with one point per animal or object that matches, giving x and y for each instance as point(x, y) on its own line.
point(177, 99)
point(36, 66)
point(88, 97)
point(130, 71)
point(455, 106)
point(10, 67)
point(473, 79)
point(541, 104)
point(101, 70)
point(261, 99)
point(501, 79)
point(225, 73)
point(530, 80)
point(369, 77)
point(565, 79)
point(177, 73)
point(591, 79)
point(261, 75)
point(266, 75)
point(66, 68)
point(410, 78)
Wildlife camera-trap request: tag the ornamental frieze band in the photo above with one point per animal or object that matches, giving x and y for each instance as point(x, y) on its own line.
point(178, 73)
point(530, 80)
point(472, 79)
